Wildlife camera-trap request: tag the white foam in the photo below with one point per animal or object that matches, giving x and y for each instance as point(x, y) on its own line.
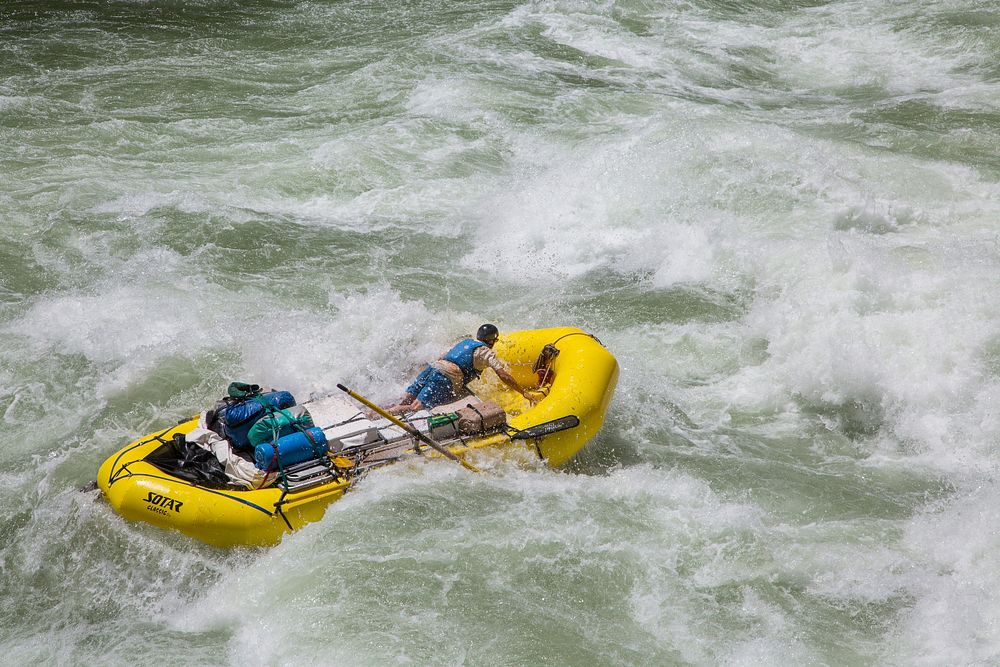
point(9, 102)
point(954, 583)
point(138, 204)
point(603, 38)
point(720, 154)
point(858, 45)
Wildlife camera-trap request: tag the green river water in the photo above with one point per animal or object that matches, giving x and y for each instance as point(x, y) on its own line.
point(781, 217)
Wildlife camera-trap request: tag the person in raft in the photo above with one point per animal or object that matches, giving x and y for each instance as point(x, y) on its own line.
point(444, 380)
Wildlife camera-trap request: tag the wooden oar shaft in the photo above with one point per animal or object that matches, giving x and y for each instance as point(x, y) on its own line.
point(406, 427)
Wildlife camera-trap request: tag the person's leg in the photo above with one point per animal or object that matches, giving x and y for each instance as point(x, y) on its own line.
point(437, 390)
point(403, 405)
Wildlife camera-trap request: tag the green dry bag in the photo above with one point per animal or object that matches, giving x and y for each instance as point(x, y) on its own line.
point(279, 423)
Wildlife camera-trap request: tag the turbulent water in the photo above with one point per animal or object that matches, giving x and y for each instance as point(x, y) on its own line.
point(781, 216)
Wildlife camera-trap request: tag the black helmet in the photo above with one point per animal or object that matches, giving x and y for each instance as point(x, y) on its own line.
point(488, 334)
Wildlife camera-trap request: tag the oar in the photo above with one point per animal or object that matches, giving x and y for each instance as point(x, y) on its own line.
point(546, 428)
point(409, 429)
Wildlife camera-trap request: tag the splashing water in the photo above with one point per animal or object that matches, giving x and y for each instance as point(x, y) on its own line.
point(779, 215)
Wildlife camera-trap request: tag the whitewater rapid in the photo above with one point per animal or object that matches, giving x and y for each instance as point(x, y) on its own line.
point(780, 216)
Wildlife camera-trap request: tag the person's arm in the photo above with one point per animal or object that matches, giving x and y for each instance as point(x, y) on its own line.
point(509, 380)
point(501, 369)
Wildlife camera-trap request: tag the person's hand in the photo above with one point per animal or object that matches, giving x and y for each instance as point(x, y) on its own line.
point(532, 395)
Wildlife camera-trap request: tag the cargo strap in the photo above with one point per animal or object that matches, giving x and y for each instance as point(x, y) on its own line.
point(324, 460)
point(271, 411)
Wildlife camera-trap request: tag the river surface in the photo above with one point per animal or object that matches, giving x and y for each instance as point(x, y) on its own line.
point(781, 216)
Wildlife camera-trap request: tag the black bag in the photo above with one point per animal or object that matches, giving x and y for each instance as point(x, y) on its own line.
point(190, 462)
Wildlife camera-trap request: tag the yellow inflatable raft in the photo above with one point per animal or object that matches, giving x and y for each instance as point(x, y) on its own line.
point(570, 412)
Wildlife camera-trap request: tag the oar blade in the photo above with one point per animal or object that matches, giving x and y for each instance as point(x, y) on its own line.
point(554, 426)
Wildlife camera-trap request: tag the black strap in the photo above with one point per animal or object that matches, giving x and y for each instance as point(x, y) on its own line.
point(482, 419)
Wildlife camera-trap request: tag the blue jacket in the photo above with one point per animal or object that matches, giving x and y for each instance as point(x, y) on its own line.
point(461, 355)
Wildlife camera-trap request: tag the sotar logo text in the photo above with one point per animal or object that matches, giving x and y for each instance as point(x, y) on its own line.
point(155, 501)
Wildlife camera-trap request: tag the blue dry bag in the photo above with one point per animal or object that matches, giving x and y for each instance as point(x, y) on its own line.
point(292, 449)
point(238, 418)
